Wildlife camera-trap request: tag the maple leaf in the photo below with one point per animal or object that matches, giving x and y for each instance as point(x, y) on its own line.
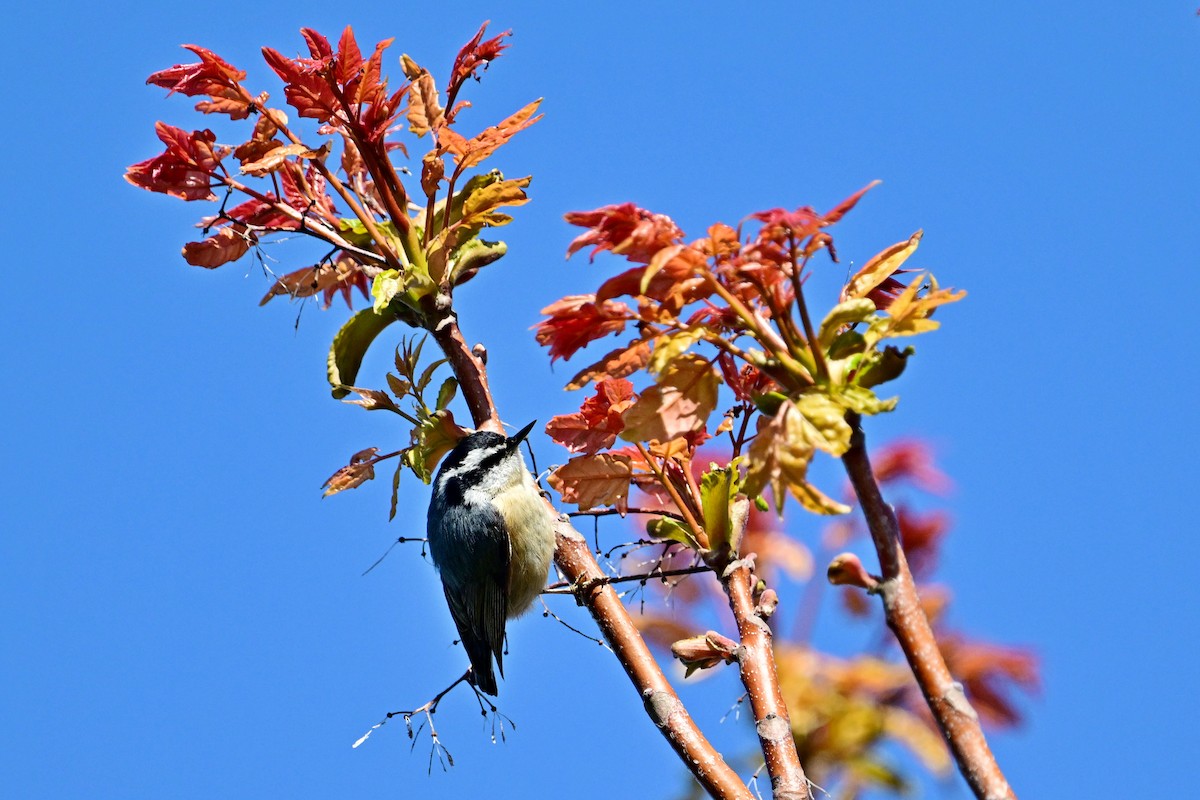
point(305, 87)
point(327, 279)
point(596, 480)
point(921, 534)
point(274, 158)
point(360, 470)
point(678, 404)
point(471, 152)
point(184, 169)
point(596, 424)
point(779, 457)
point(227, 244)
point(618, 363)
point(576, 321)
point(625, 230)
point(211, 75)
point(879, 268)
point(909, 460)
point(425, 112)
point(473, 55)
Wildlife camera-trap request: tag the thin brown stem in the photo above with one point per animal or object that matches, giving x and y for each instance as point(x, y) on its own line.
point(955, 717)
point(367, 219)
point(315, 229)
point(565, 587)
point(676, 498)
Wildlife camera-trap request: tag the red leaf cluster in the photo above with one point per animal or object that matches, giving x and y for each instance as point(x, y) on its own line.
point(473, 55)
point(184, 169)
point(596, 424)
point(909, 460)
point(577, 320)
point(990, 674)
point(338, 87)
point(624, 229)
point(212, 76)
point(746, 382)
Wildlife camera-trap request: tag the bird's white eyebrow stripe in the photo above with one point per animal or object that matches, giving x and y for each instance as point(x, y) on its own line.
point(471, 461)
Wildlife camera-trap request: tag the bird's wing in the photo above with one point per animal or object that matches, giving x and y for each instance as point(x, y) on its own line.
point(474, 563)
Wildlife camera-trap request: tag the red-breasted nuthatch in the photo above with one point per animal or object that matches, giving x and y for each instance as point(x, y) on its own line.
point(491, 536)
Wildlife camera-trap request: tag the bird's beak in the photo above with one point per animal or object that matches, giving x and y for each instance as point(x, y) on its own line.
point(520, 435)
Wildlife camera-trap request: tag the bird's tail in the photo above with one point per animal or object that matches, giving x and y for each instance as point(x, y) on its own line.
point(480, 654)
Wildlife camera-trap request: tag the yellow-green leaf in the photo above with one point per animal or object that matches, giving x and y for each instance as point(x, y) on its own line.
point(880, 268)
point(848, 312)
point(350, 345)
point(671, 345)
point(680, 403)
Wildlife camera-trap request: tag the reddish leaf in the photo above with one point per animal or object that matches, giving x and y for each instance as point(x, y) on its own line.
point(226, 245)
point(349, 58)
point(619, 363)
point(591, 481)
point(473, 55)
point(275, 158)
point(305, 88)
point(596, 424)
point(211, 75)
point(472, 152)
point(578, 320)
point(921, 535)
point(360, 470)
point(326, 279)
point(990, 674)
point(841, 209)
point(910, 460)
point(624, 229)
point(184, 169)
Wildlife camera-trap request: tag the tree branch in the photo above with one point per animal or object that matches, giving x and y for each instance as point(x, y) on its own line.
point(955, 717)
point(756, 660)
point(574, 558)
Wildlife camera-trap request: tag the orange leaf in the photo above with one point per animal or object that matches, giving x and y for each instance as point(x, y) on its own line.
point(226, 245)
point(591, 481)
point(619, 363)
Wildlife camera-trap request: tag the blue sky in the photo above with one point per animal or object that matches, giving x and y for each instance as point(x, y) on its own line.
point(181, 615)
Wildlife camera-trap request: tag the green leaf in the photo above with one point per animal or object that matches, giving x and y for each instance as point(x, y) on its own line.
point(718, 499)
point(827, 428)
point(350, 345)
point(395, 489)
point(670, 346)
point(847, 343)
point(472, 256)
point(846, 313)
point(863, 401)
point(883, 366)
point(446, 393)
point(667, 529)
point(427, 376)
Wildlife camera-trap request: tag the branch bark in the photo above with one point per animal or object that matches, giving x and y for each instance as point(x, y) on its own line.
point(955, 717)
point(756, 658)
point(663, 705)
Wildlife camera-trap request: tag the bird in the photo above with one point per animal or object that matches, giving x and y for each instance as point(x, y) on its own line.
point(491, 537)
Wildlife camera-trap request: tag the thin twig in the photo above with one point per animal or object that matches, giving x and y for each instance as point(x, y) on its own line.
point(563, 587)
